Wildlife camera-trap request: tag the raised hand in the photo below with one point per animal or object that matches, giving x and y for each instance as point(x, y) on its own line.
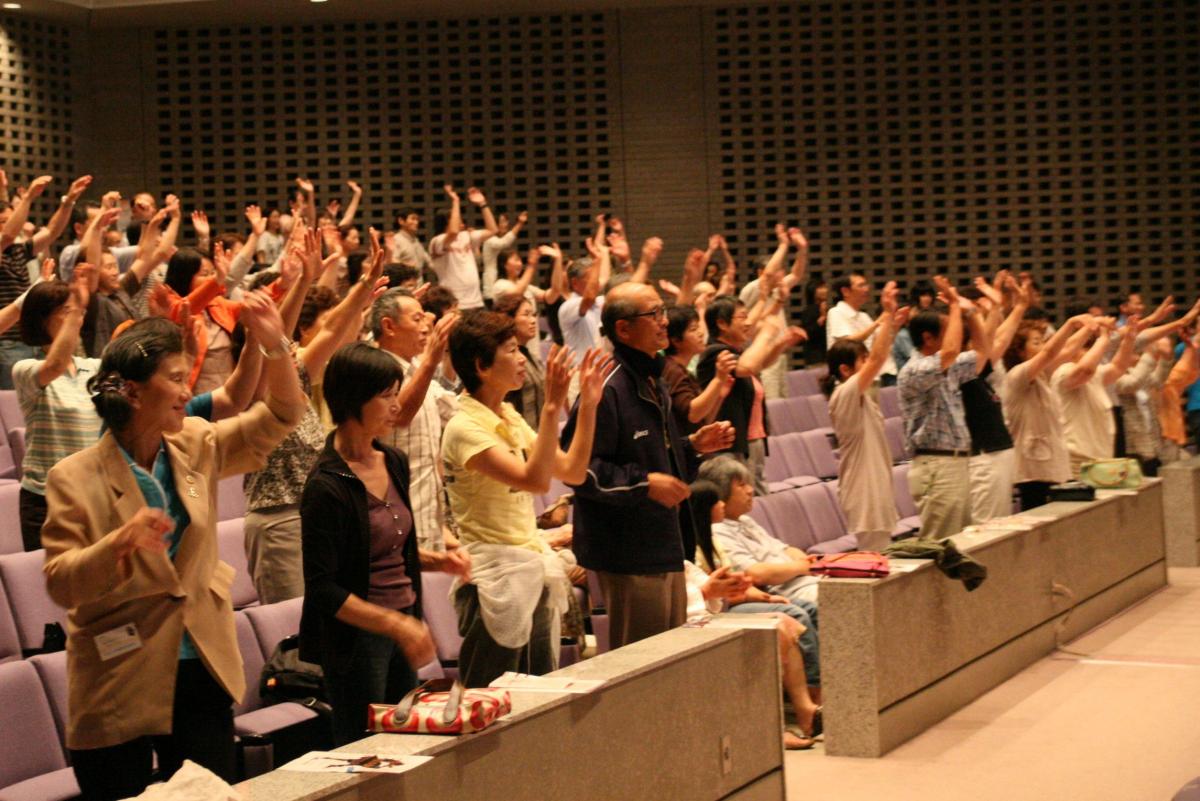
point(439, 338)
point(81, 284)
point(171, 205)
point(258, 223)
point(558, 376)
point(889, 299)
point(49, 266)
point(109, 200)
point(1163, 311)
point(200, 224)
point(553, 251)
point(305, 185)
point(901, 316)
point(714, 243)
point(726, 364)
point(78, 187)
point(354, 187)
point(651, 249)
point(333, 208)
point(693, 266)
point(668, 287)
point(261, 317)
point(594, 370)
point(476, 196)
point(716, 436)
point(39, 184)
point(781, 233)
point(450, 193)
point(619, 246)
point(945, 290)
point(523, 218)
point(798, 239)
point(794, 335)
point(988, 291)
point(221, 262)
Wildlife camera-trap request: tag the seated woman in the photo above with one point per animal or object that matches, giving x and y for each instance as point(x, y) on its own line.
point(712, 581)
point(131, 553)
point(362, 571)
point(494, 461)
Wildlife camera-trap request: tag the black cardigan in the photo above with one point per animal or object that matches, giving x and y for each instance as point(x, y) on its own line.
point(738, 405)
point(335, 537)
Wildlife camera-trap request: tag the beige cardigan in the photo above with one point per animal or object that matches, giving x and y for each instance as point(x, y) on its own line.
point(91, 494)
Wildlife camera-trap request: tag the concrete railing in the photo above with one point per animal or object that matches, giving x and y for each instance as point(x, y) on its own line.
point(1181, 511)
point(900, 653)
point(692, 714)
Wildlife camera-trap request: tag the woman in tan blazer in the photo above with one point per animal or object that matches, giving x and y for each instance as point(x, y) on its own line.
point(131, 552)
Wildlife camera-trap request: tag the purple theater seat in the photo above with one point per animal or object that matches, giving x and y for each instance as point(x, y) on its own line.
point(273, 622)
point(819, 407)
point(893, 429)
point(597, 613)
point(32, 608)
point(821, 453)
point(32, 762)
point(800, 410)
point(803, 382)
point(889, 402)
point(8, 464)
point(10, 641)
point(789, 521)
point(231, 549)
point(824, 515)
point(438, 612)
point(231, 498)
point(905, 505)
point(779, 412)
point(795, 455)
point(52, 672)
point(763, 510)
point(16, 443)
point(11, 415)
point(10, 519)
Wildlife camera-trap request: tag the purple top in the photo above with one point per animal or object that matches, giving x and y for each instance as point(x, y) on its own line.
point(391, 525)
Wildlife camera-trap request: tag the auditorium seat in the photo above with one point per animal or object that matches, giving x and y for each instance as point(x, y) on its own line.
point(821, 453)
point(231, 498)
point(10, 519)
point(801, 412)
point(779, 414)
point(273, 622)
point(231, 549)
point(10, 641)
point(597, 612)
point(32, 762)
point(11, 415)
point(9, 472)
point(32, 608)
point(893, 429)
point(438, 612)
point(803, 382)
point(906, 507)
point(260, 725)
point(16, 443)
point(52, 672)
point(819, 406)
point(788, 520)
point(889, 402)
point(825, 520)
point(795, 455)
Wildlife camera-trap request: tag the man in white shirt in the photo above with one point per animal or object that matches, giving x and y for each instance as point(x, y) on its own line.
point(492, 248)
point(774, 377)
point(579, 315)
point(453, 252)
point(847, 320)
point(406, 247)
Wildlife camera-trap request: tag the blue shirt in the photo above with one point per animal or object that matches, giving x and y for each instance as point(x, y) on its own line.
point(158, 490)
point(1191, 394)
point(931, 402)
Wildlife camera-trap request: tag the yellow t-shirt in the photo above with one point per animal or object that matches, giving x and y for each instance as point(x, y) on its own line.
point(485, 509)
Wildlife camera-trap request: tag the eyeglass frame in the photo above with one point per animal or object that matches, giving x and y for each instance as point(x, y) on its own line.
point(659, 313)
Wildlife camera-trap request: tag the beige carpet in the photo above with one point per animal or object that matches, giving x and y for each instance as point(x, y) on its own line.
point(1123, 725)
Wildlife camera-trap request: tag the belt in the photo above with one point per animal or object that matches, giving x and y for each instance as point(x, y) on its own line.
point(997, 449)
point(936, 452)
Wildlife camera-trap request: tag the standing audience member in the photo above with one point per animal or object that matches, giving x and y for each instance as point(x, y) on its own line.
point(453, 250)
point(633, 524)
point(406, 247)
point(509, 613)
point(847, 319)
point(770, 279)
point(692, 404)
point(934, 422)
point(362, 570)
point(494, 247)
point(131, 553)
point(865, 468)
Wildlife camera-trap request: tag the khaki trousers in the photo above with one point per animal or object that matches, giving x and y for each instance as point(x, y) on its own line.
point(941, 487)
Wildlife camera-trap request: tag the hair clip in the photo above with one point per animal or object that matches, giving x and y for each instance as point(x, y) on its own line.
point(142, 350)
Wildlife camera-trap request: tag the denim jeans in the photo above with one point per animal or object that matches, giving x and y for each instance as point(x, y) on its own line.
point(377, 673)
point(804, 613)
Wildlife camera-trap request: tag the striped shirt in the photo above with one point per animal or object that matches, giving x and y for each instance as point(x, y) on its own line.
point(14, 280)
point(59, 418)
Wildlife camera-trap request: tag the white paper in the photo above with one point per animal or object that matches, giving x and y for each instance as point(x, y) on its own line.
point(524, 682)
point(343, 762)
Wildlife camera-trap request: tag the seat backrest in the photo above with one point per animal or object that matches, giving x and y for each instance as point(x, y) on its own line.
point(252, 662)
point(762, 510)
point(32, 608)
point(802, 382)
point(231, 498)
point(231, 549)
point(889, 402)
point(905, 505)
point(791, 524)
point(16, 442)
point(775, 467)
point(10, 519)
point(52, 671)
point(10, 410)
point(273, 622)
point(819, 406)
point(820, 451)
point(801, 412)
point(832, 488)
point(893, 429)
point(10, 641)
point(779, 413)
point(822, 512)
point(8, 465)
point(30, 745)
point(795, 455)
point(439, 614)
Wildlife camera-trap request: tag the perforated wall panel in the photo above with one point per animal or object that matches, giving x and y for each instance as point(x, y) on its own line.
point(519, 106)
point(36, 136)
point(965, 136)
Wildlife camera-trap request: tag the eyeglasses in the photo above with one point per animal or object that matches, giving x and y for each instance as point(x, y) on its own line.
point(658, 313)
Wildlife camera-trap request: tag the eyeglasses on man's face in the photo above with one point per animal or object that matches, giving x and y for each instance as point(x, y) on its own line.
point(658, 313)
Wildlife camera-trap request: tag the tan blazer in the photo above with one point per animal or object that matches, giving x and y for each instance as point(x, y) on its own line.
point(91, 494)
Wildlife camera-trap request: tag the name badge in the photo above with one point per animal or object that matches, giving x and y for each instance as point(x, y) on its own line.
point(115, 642)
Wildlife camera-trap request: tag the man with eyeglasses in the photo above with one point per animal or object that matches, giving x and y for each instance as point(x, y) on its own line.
point(633, 522)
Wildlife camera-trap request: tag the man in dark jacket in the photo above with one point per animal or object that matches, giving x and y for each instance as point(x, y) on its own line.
point(633, 522)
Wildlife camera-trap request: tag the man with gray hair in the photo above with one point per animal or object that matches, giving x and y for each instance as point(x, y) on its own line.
point(579, 315)
point(633, 522)
point(403, 329)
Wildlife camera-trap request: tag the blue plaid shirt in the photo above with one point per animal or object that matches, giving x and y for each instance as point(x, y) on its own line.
point(931, 402)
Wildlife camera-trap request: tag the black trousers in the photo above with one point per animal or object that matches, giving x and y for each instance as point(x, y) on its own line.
point(32, 508)
point(201, 730)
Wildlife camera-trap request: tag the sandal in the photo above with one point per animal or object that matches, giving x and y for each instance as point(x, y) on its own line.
point(794, 739)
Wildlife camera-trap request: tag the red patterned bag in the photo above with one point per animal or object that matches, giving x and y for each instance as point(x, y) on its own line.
point(856, 564)
point(440, 706)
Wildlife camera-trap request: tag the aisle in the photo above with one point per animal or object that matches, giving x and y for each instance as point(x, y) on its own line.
point(1119, 725)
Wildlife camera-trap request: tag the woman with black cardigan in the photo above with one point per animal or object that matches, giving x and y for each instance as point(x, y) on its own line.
point(362, 570)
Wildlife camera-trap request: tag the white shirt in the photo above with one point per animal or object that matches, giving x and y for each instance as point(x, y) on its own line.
point(454, 263)
point(492, 248)
point(407, 249)
point(843, 321)
point(580, 332)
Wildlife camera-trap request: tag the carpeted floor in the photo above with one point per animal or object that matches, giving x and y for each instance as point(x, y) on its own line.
point(1120, 725)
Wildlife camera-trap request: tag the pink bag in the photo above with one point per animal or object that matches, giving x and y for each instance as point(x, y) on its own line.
point(440, 706)
point(856, 564)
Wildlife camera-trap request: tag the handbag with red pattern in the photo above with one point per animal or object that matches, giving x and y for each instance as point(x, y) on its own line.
point(440, 706)
point(856, 564)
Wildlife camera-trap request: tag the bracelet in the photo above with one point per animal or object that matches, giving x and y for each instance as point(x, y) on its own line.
point(281, 349)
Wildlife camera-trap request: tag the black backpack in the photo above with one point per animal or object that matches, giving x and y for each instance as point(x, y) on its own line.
point(286, 678)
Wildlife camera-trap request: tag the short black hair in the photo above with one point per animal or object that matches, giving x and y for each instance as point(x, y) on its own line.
point(840, 283)
point(509, 304)
point(398, 274)
point(441, 219)
point(476, 338)
point(354, 265)
point(720, 309)
point(919, 290)
point(356, 373)
point(678, 320)
point(842, 351)
point(317, 300)
point(134, 355)
point(182, 268)
point(403, 212)
point(438, 300)
point(41, 301)
point(924, 322)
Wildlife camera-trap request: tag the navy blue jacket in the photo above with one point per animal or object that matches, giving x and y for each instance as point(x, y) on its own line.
point(618, 529)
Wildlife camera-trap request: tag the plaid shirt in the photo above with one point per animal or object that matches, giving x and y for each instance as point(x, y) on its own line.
point(931, 402)
point(421, 442)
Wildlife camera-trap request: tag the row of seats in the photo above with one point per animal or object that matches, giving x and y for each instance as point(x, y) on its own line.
point(813, 453)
